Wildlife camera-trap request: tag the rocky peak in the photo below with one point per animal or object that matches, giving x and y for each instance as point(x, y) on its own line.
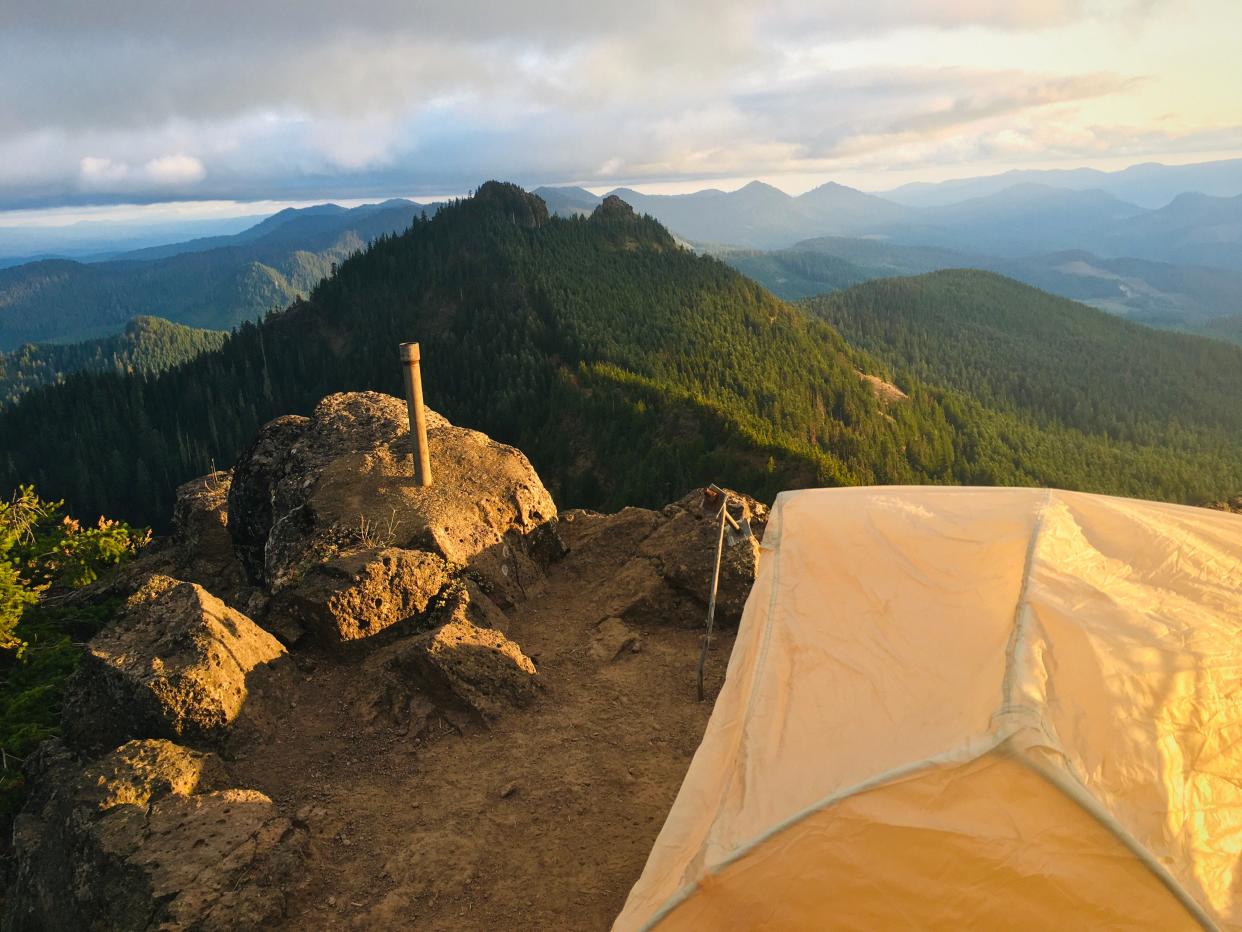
point(314, 626)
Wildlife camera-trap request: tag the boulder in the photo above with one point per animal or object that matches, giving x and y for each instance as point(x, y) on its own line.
point(149, 837)
point(360, 594)
point(684, 550)
point(463, 671)
point(254, 480)
point(202, 543)
point(173, 664)
point(144, 769)
point(664, 560)
point(479, 667)
point(308, 490)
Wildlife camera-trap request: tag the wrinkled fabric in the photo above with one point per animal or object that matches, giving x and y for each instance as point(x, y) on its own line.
point(957, 707)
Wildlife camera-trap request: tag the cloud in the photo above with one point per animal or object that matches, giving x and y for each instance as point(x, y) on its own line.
point(167, 171)
point(314, 98)
point(177, 170)
point(100, 172)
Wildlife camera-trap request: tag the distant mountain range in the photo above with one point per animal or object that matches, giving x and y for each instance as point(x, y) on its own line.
point(1019, 220)
point(1175, 265)
point(215, 282)
point(1149, 185)
point(92, 240)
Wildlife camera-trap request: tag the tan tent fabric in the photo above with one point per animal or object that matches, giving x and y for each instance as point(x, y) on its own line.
point(970, 708)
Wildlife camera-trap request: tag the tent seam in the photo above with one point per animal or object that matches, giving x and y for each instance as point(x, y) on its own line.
point(1074, 791)
point(1070, 785)
point(1008, 681)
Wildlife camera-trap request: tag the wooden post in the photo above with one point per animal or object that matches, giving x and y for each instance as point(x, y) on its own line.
point(418, 421)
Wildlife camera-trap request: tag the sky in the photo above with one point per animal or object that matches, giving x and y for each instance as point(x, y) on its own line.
point(195, 106)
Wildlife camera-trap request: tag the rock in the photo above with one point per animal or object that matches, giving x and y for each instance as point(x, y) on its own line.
point(664, 560)
point(613, 638)
point(479, 667)
point(174, 663)
point(139, 771)
point(392, 691)
point(360, 594)
point(255, 476)
point(508, 790)
point(308, 490)
point(146, 839)
point(203, 544)
point(684, 547)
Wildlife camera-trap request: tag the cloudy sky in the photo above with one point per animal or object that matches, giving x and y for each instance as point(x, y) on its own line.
point(149, 101)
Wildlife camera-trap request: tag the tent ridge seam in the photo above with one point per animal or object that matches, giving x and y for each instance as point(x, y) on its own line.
point(1073, 790)
point(1009, 680)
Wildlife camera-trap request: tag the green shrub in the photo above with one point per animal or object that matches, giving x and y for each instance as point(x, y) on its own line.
point(44, 554)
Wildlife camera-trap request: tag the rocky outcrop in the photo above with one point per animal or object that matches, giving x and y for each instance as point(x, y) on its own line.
point(667, 579)
point(202, 546)
point(149, 837)
point(309, 489)
point(320, 530)
point(173, 664)
point(361, 594)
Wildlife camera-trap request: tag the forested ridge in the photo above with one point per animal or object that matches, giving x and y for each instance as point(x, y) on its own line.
point(1019, 349)
point(148, 344)
point(627, 368)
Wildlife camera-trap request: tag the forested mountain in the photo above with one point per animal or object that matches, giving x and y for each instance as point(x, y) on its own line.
point(629, 369)
point(216, 282)
point(1054, 362)
point(148, 344)
point(797, 272)
point(1174, 297)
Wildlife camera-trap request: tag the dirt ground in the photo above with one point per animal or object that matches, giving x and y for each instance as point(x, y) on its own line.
point(543, 821)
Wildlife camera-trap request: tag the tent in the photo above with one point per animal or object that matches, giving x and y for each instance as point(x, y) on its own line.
point(969, 708)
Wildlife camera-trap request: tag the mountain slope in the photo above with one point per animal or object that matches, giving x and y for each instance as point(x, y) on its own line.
point(214, 283)
point(148, 344)
point(1173, 297)
point(1018, 349)
point(627, 368)
point(1193, 228)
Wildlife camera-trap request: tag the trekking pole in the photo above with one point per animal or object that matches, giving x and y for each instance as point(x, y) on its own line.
point(711, 601)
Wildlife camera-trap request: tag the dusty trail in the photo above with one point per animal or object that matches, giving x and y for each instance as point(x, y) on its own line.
point(542, 822)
